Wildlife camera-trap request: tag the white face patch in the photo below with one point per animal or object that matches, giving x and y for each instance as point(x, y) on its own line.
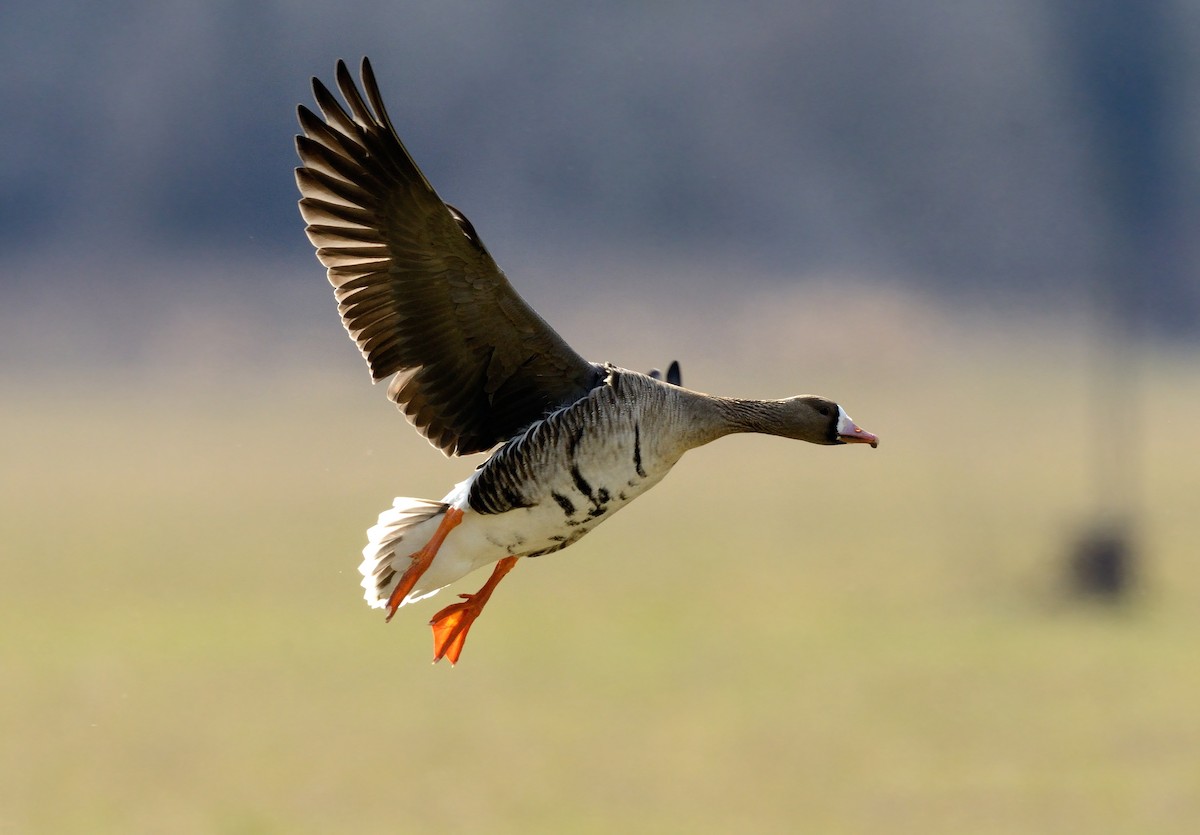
point(845, 425)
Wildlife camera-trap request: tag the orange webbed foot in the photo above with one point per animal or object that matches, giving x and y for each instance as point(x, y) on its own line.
point(450, 625)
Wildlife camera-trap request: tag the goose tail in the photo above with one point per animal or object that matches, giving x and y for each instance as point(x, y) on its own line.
point(386, 552)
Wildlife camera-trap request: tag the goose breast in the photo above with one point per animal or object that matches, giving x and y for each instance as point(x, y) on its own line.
point(579, 465)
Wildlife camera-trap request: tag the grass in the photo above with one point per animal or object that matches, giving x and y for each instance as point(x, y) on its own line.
point(777, 639)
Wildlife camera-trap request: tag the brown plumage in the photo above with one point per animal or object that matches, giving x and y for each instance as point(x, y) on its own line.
point(474, 366)
point(417, 290)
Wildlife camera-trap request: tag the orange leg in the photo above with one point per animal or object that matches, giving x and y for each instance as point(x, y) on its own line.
point(421, 560)
point(451, 624)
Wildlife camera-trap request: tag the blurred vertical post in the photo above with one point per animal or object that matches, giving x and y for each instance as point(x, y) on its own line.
point(1121, 54)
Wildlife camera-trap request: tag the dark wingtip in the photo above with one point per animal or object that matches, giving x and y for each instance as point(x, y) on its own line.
point(672, 377)
point(342, 73)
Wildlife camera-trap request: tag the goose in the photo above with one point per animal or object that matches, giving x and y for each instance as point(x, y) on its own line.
point(475, 369)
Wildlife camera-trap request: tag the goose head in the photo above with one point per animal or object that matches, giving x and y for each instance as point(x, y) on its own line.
point(817, 420)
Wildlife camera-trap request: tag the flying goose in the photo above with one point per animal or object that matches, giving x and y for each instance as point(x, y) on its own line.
point(472, 366)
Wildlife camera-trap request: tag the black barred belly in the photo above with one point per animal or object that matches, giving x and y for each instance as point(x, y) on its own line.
point(564, 494)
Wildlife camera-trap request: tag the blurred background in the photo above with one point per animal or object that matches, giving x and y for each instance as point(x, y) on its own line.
point(972, 224)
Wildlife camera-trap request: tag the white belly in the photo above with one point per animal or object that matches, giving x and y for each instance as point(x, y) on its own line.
point(540, 493)
point(481, 539)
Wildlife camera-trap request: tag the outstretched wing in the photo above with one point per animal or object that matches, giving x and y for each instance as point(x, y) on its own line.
point(417, 290)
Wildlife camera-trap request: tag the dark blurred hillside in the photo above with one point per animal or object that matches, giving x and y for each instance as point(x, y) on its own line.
point(949, 146)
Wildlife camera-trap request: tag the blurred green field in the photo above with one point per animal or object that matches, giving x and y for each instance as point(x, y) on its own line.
point(779, 638)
